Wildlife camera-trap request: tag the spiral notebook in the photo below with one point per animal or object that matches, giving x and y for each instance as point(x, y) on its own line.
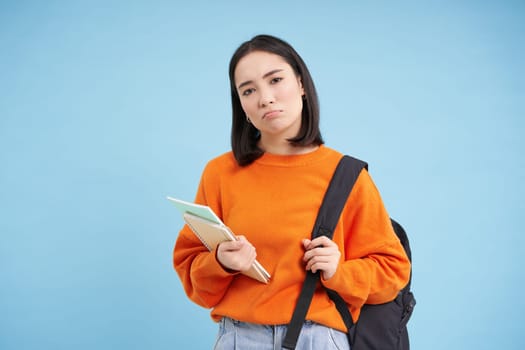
point(211, 231)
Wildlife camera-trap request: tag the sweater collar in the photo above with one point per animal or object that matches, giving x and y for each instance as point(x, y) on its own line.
point(294, 160)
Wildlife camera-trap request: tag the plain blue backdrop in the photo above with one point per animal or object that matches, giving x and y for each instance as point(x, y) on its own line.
point(107, 107)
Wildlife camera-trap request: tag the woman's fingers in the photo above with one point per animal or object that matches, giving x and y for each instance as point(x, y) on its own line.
point(322, 254)
point(236, 255)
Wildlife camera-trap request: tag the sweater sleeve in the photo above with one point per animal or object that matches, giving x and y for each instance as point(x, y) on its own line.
point(374, 266)
point(204, 280)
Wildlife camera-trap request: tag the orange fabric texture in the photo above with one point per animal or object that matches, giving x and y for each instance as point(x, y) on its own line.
point(274, 203)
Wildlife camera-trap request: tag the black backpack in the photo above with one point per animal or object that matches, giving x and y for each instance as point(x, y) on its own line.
point(380, 327)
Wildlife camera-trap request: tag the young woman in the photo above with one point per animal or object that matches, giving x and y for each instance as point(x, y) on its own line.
point(268, 190)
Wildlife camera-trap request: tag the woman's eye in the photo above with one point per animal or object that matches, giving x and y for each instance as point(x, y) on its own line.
point(247, 92)
point(276, 80)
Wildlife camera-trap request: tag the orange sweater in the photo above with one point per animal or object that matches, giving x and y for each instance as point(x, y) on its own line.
point(274, 203)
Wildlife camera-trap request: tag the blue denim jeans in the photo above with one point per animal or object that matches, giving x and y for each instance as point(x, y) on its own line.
point(248, 336)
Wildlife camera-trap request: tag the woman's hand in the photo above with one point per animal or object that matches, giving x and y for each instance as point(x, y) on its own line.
point(322, 254)
point(236, 255)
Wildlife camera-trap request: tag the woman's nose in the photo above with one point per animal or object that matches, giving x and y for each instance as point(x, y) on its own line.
point(266, 98)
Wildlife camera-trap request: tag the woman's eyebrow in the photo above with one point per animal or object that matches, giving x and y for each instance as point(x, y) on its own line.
point(264, 76)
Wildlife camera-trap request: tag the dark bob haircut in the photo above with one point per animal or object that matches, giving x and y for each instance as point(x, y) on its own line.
point(244, 136)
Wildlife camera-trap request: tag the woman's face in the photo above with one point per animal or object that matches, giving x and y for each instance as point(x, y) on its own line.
point(270, 94)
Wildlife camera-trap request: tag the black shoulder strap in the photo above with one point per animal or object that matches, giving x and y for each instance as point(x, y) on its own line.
point(345, 175)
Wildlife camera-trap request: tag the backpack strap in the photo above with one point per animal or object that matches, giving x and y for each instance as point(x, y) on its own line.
point(341, 184)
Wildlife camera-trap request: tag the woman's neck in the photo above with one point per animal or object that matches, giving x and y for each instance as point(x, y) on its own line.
point(284, 147)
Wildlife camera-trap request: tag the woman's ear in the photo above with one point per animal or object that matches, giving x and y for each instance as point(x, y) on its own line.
point(300, 82)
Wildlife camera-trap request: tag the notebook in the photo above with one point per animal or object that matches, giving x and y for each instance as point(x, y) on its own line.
point(211, 231)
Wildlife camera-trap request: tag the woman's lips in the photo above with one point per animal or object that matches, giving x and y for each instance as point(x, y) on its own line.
point(271, 114)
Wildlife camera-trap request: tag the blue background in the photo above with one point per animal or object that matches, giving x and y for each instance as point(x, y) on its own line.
point(107, 107)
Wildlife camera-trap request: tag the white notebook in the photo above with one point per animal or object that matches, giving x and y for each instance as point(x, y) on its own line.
point(211, 231)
